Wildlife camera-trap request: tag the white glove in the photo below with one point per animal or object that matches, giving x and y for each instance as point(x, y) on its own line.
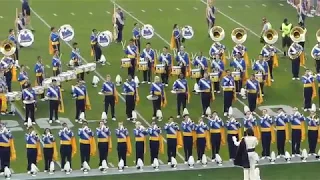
point(115, 25)
point(234, 139)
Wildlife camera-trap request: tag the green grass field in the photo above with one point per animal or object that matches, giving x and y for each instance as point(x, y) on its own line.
point(85, 15)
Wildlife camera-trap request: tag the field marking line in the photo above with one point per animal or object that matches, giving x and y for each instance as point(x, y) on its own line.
point(90, 13)
point(264, 5)
point(160, 10)
point(72, 14)
point(177, 9)
point(27, 67)
point(143, 10)
point(230, 7)
point(55, 14)
point(195, 8)
point(281, 4)
point(160, 161)
point(108, 12)
point(48, 66)
point(1, 17)
point(111, 165)
point(247, 6)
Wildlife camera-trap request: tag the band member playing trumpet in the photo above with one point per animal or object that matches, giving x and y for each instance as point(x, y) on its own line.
point(239, 72)
point(155, 141)
point(68, 146)
point(217, 132)
point(54, 96)
point(3, 91)
point(181, 88)
point(202, 138)
point(267, 133)
point(294, 52)
point(131, 92)
point(217, 67)
point(309, 89)
point(132, 52)
point(298, 131)
point(182, 59)
point(218, 49)
point(281, 123)
point(201, 62)
point(39, 70)
point(49, 148)
point(253, 89)
point(233, 130)
point(34, 153)
point(313, 132)
point(148, 55)
point(76, 59)
point(206, 91)
point(157, 89)
point(7, 147)
point(240, 51)
point(124, 143)
point(228, 85)
point(175, 43)
point(96, 49)
point(165, 59)
point(56, 63)
point(174, 138)
point(315, 54)
point(261, 68)
point(87, 143)
point(79, 92)
point(12, 38)
point(268, 53)
point(54, 41)
point(140, 132)
point(187, 128)
point(23, 76)
point(104, 142)
point(7, 64)
point(110, 96)
point(136, 36)
point(29, 99)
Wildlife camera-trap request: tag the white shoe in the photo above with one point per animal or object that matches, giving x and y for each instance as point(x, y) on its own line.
point(80, 122)
point(225, 114)
point(272, 80)
point(149, 82)
point(50, 121)
point(185, 162)
point(218, 92)
point(167, 85)
point(81, 169)
point(25, 123)
point(42, 99)
point(159, 119)
point(268, 157)
point(305, 110)
point(126, 166)
point(143, 82)
point(202, 115)
point(293, 155)
point(100, 167)
point(29, 172)
point(198, 162)
point(134, 120)
point(76, 120)
point(153, 118)
point(2, 173)
point(231, 160)
point(180, 116)
point(128, 119)
point(114, 119)
point(57, 121)
point(33, 123)
point(45, 171)
point(213, 160)
point(297, 78)
point(262, 95)
point(298, 155)
point(278, 156)
point(293, 79)
point(62, 170)
point(263, 157)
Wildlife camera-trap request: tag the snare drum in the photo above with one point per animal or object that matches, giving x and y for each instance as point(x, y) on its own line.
point(47, 82)
point(259, 77)
point(14, 96)
point(214, 77)
point(126, 62)
point(176, 70)
point(236, 75)
point(160, 69)
point(63, 76)
point(142, 66)
point(90, 67)
point(38, 89)
point(72, 75)
point(79, 69)
point(195, 73)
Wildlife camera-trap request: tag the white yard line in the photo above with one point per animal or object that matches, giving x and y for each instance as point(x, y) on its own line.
point(143, 10)
point(48, 66)
point(108, 12)
point(264, 5)
point(230, 7)
point(55, 14)
point(90, 13)
point(1, 17)
point(280, 4)
point(160, 10)
point(72, 14)
point(177, 9)
point(195, 8)
point(247, 6)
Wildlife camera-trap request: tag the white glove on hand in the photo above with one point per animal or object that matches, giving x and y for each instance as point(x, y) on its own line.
point(234, 139)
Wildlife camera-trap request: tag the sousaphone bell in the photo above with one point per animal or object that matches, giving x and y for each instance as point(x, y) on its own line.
point(270, 36)
point(239, 35)
point(217, 33)
point(296, 34)
point(7, 47)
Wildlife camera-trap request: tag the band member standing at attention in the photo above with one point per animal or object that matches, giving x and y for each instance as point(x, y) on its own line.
point(180, 86)
point(119, 20)
point(7, 64)
point(239, 72)
point(148, 55)
point(80, 94)
point(39, 70)
point(132, 96)
point(75, 57)
point(262, 73)
point(165, 59)
point(110, 96)
point(294, 52)
point(132, 52)
point(228, 85)
point(267, 133)
point(313, 132)
point(140, 134)
point(136, 36)
point(187, 128)
point(281, 123)
point(68, 146)
point(253, 89)
point(26, 12)
point(34, 153)
point(23, 76)
point(174, 139)
point(211, 18)
point(200, 62)
point(207, 95)
point(286, 41)
point(155, 142)
point(217, 132)
point(308, 89)
point(182, 59)
point(54, 96)
point(49, 148)
point(7, 148)
point(95, 48)
point(87, 144)
point(56, 63)
point(157, 89)
point(202, 136)
point(268, 52)
point(233, 130)
point(298, 131)
point(316, 56)
point(175, 43)
point(54, 41)
point(124, 143)
point(29, 100)
point(104, 142)
point(12, 38)
point(266, 25)
point(217, 67)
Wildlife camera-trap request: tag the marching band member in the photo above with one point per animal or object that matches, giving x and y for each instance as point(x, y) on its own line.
point(228, 85)
point(132, 97)
point(124, 143)
point(298, 131)
point(203, 141)
point(104, 142)
point(207, 95)
point(54, 96)
point(119, 21)
point(268, 53)
point(175, 42)
point(34, 153)
point(39, 70)
point(218, 49)
point(20, 22)
point(110, 96)
point(266, 25)
point(157, 89)
point(7, 63)
point(210, 15)
point(233, 130)
point(26, 11)
point(286, 41)
point(318, 80)
point(217, 132)
point(253, 88)
point(239, 73)
point(174, 138)
point(187, 128)
point(313, 132)
point(23, 76)
point(29, 99)
point(303, 34)
point(54, 41)
point(201, 62)
point(250, 122)
point(7, 148)
point(240, 51)
point(80, 93)
point(140, 134)
point(95, 48)
point(148, 55)
point(182, 59)
point(3, 91)
point(49, 148)
point(68, 146)
point(12, 38)
point(309, 90)
point(132, 52)
point(217, 66)
point(155, 141)
point(262, 73)
point(281, 123)
point(136, 36)
point(316, 55)
point(87, 143)
point(267, 133)
point(76, 59)
point(293, 51)
point(166, 59)
point(180, 86)
point(56, 63)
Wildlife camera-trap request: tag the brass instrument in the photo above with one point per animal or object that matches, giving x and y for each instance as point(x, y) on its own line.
point(318, 35)
point(7, 48)
point(239, 35)
point(297, 48)
point(270, 36)
point(217, 33)
point(313, 55)
point(296, 34)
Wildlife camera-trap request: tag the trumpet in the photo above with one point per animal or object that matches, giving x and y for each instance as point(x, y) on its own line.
point(270, 36)
point(7, 48)
point(239, 35)
point(217, 33)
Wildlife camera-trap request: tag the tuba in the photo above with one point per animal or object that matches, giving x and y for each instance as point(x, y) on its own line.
point(318, 35)
point(296, 34)
point(7, 48)
point(239, 35)
point(217, 33)
point(314, 55)
point(270, 36)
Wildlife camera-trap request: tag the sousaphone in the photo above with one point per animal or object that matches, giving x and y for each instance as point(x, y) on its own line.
point(217, 33)
point(239, 35)
point(270, 36)
point(8, 47)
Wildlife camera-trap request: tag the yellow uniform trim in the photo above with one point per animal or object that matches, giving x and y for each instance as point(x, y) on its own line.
point(215, 130)
point(187, 133)
point(103, 139)
point(227, 89)
point(131, 56)
point(154, 138)
point(65, 142)
point(31, 146)
point(38, 74)
point(265, 129)
point(232, 132)
point(54, 68)
point(48, 146)
point(108, 93)
point(313, 128)
point(296, 127)
point(121, 140)
point(55, 43)
point(281, 127)
point(81, 97)
point(84, 141)
point(3, 144)
point(171, 136)
point(157, 93)
point(140, 139)
point(252, 91)
point(201, 135)
point(307, 85)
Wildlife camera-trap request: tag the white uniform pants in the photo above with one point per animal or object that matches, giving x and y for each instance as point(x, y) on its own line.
point(249, 174)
